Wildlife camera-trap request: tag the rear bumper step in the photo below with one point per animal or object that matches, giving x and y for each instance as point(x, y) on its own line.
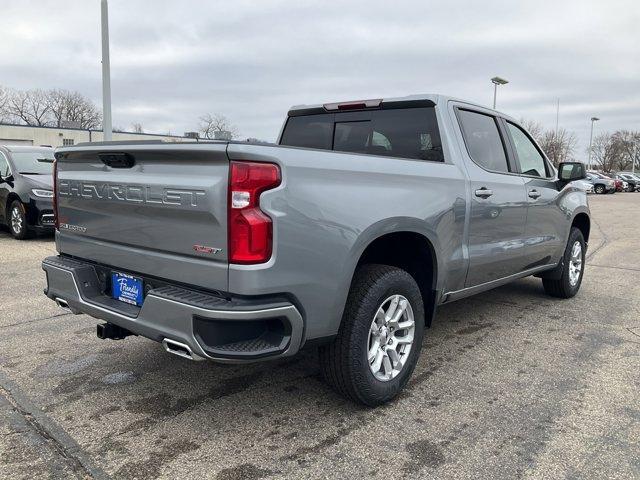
point(188, 323)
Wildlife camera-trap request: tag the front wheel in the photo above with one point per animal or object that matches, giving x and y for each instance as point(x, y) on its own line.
point(18, 220)
point(599, 189)
point(573, 262)
point(379, 341)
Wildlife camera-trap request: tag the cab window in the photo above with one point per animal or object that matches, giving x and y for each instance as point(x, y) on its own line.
point(531, 160)
point(483, 140)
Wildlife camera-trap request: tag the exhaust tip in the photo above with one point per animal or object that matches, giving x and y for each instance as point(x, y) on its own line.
point(62, 303)
point(179, 349)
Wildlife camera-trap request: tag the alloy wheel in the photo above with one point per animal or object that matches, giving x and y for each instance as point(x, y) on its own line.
point(575, 264)
point(391, 337)
point(16, 220)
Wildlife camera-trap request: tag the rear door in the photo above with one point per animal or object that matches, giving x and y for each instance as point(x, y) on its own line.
point(546, 229)
point(156, 210)
point(498, 200)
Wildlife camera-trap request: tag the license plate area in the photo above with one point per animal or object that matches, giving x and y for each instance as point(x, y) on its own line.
point(127, 288)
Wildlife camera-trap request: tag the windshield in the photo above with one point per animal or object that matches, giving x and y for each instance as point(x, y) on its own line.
point(35, 163)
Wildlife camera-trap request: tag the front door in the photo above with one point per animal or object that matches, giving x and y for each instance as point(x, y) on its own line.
point(498, 201)
point(546, 229)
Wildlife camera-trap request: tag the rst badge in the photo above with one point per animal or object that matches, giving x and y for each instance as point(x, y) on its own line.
point(72, 228)
point(205, 249)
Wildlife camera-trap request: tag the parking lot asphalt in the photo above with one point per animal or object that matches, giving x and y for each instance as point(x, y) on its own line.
point(511, 383)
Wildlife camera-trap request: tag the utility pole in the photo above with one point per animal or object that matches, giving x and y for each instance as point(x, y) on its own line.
point(593, 120)
point(106, 74)
point(557, 117)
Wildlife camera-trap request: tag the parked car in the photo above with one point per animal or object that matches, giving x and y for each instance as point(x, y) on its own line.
point(346, 235)
point(632, 180)
point(26, 189)
point(584, 185)
point(601, 184)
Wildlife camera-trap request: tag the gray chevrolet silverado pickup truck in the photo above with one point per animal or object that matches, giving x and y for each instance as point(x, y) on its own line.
point(344, 236)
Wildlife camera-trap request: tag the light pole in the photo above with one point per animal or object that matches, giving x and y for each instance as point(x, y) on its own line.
point(593, 120)
point(497, 81)
point(106, 74)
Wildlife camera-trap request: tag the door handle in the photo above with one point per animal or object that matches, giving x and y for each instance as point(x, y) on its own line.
point(534, 194)
point(484, 192)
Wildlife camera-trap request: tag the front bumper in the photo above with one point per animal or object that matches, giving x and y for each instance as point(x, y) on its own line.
point(40, 214)
point(213, 327)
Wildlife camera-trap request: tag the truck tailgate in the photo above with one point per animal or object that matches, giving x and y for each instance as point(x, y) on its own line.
point(158, 210)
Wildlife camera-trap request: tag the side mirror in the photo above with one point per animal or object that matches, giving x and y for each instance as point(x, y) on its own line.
point(570, 171)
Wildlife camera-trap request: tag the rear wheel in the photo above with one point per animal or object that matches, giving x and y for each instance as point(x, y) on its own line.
point(572, 268)
point(18, 220)
point(380, 337)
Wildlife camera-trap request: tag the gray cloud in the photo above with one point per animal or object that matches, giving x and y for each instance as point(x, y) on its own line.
point(174, 61)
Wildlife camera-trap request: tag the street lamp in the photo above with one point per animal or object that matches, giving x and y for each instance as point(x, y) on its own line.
point(497, 81)
point(593, 120)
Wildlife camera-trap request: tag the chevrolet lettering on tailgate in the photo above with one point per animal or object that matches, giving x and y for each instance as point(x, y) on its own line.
point(130, 193)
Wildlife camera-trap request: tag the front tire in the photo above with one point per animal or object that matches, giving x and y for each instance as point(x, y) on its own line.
point(573, 263)
point(380, 337)
point(599, 189)
point(18, 220)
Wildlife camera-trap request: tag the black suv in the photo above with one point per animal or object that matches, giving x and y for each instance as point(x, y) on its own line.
point(26, 189)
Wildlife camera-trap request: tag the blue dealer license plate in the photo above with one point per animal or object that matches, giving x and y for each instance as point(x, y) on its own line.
point(126, 288)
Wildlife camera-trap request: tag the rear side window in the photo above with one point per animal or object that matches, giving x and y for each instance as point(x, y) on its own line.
point(530, 159)
point(483, 140)
point(403, 133)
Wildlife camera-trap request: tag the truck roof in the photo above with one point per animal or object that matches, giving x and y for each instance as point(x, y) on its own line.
point(426, 99)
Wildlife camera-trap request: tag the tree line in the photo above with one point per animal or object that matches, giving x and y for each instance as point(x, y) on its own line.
point(48, 108)
point(616, 151)
point(610, 152)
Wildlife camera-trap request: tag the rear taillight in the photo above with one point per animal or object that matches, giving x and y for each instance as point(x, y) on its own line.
point(250, 229)
point(56, 220)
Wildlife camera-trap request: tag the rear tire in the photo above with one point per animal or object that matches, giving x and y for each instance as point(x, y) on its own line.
point(17, 220)
point(364, 335)
point(568, 284)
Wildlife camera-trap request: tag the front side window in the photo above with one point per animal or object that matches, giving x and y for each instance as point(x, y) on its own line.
point(531, 160)
point(483, 140)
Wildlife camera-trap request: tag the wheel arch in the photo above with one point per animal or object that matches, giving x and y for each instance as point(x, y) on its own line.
point(10, 199)
point(582, 222)
point(414, 252)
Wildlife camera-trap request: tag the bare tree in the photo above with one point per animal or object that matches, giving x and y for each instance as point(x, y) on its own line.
point(603, 152)
point(210, 124)
point(73, 107)
point(534, 128)
point(137, 127)
point(30, 106)
point(627, 149)
point(559, 146)
point(4, 99)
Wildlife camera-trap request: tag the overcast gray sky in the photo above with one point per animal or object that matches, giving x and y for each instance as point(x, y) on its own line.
point(173, 61)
